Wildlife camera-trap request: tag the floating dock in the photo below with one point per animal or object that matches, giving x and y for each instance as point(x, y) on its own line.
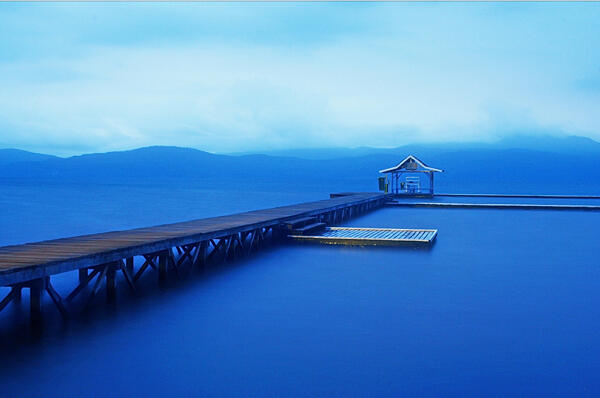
point(101, 259)
point(370, 236)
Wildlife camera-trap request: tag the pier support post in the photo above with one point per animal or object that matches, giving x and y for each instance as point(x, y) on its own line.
point(162, 267)
point(129, 265)
point(277, 233)
point(83, 275)
point(201, 259)
point(13, 296)
point(17, 292)
point(36, 288)
point(111, 285)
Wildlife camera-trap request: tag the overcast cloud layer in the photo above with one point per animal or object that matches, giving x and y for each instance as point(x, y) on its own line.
point(233, 77)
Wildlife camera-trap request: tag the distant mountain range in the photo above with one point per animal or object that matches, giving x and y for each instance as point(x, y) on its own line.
point(568, 144)
point(16, 155)
point(540, 165)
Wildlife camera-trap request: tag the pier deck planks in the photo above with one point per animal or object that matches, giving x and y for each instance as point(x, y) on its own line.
point(25, 262)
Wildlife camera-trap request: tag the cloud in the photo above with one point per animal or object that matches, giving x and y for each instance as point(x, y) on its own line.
point(331, 76)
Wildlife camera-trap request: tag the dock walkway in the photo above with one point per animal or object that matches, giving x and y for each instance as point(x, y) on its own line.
point(161, 247)
point(516, 206)
point(529, 196)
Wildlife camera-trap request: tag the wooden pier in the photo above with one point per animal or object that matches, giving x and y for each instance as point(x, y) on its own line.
point(370, 236)
point(100, 258)
point(516, 206)
point(513, 195)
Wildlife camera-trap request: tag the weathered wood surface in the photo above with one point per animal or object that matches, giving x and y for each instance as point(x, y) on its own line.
point(370, 236)
point(30, 261)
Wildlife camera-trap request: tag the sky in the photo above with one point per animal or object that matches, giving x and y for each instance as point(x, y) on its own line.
point(229, 77)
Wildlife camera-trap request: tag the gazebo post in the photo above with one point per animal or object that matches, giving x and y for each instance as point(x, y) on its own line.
point(431, 182)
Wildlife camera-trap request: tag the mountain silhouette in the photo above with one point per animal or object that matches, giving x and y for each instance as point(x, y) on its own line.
point(569, 165)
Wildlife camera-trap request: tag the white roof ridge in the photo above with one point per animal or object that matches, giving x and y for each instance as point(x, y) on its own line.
point(416, 160)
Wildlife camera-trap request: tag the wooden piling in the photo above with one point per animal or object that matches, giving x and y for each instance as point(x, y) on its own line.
point(111, 283)
point(129, 265)
point(162, 267)
point(36, 288)
point(83, 275)
point(17, 293)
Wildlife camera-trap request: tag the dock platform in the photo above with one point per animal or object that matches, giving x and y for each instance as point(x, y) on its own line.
point(370, 236)
point(513, 195)
point(516, 206)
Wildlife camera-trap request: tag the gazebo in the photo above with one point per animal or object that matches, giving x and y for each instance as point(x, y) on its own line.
point(405, 178)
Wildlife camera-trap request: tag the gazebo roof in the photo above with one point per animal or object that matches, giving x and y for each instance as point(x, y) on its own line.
point(411, 163)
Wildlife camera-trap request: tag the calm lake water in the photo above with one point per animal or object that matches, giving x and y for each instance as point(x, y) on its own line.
point(505, 303)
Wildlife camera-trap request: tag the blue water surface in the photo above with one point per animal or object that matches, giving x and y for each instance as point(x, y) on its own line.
point(504, 304)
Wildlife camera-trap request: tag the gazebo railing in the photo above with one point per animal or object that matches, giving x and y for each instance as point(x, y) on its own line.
point(408, 192)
